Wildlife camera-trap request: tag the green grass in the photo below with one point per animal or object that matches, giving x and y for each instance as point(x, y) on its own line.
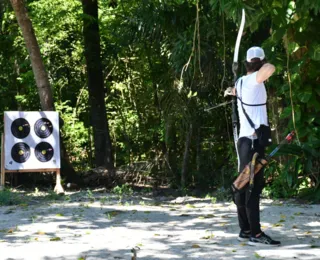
point(8, 198)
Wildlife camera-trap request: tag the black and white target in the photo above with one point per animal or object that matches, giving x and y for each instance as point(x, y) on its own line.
point(43, 127)
point(20, 128)
point(44, 152)
point(20, 152)
point(32, 140)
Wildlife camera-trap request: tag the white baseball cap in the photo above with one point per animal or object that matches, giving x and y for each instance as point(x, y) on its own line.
point(255, 52)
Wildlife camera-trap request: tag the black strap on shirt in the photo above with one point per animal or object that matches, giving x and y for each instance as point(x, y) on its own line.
point(240, 98)
point(244, 111)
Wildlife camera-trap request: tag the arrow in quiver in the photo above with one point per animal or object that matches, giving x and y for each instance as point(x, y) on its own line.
point(241, 182)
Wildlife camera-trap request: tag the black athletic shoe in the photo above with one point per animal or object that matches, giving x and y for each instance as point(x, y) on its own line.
point(244, 235)
point(263, 239)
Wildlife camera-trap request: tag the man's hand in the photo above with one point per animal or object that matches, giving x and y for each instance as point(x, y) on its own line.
point(230, 91)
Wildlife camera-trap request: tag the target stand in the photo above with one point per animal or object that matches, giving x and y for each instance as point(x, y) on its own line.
point(31, 144)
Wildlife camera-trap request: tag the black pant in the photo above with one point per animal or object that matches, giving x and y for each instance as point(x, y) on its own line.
point(248, 202)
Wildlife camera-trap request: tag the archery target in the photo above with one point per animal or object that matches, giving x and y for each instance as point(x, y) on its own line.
point(31, 140)
point(20, 128)
point(44, 152)
point(20, 152)
point(43, 127)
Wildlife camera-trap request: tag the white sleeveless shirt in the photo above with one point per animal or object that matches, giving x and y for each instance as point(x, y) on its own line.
point(252, 93)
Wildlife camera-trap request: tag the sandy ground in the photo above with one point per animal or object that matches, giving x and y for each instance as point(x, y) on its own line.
point(99, 225)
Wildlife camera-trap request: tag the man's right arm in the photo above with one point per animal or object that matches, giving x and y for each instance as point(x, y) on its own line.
point(265, 72)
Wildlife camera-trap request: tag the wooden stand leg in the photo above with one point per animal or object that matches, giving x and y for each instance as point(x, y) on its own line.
point(2, 179)
point(58, 188)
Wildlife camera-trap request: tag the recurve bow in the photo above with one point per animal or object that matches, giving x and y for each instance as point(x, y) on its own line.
point(234, 98)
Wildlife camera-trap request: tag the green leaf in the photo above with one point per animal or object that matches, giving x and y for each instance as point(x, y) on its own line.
point(315, 52)
point(297, 113)
point(308, 165)
point(278, 34)
point(191, 94)
point(286, 112)
point(277, 4)
point(305, 95)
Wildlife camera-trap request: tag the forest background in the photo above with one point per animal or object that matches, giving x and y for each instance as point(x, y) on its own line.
point(131, 80)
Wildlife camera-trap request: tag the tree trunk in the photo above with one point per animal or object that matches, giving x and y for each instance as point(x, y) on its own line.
point(198, 145)
point(2, 10)
point(41, 77)
point(40, 74)
point(186, 157)
point(99, 121)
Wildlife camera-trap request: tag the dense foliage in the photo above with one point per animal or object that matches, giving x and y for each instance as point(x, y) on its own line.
point(164, 62)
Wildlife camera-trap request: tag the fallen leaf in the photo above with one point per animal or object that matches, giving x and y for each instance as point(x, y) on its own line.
point(208, 237)
point(59, 215)
point(184, 215)
point(294, 226)
point(112, 213)
point(195, 246)
point(257, 255)
point(55, 239)
point(277, 204)
point(41, 233)
point(156, 235)
point(277, 225)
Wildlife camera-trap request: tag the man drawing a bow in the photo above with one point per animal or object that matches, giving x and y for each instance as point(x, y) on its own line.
point(252, 109)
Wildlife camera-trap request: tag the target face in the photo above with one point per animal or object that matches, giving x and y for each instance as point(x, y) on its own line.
point(44, 152)
point(20, 128)
point(20, 152)
point(43, 128)
point(31, 140)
